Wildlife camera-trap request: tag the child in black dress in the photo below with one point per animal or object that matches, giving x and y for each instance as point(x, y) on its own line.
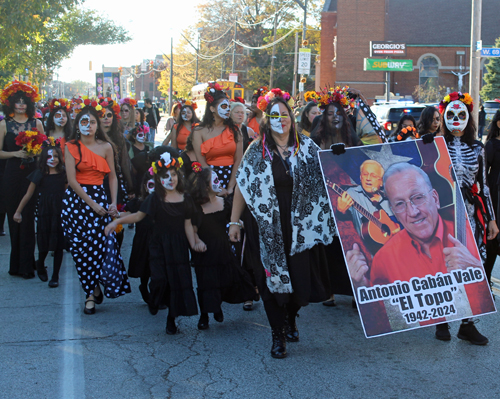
point(172, 235)
point(49, 182)
point(219, 276)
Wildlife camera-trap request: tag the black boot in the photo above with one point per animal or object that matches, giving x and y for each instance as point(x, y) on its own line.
point(203, 322)
point(278, 350)
point(468, 332)
point(41, 271)
point(171, 328)
point(443, 332)
point(291, 330)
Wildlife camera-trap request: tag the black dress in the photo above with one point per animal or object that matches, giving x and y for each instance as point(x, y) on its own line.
point(171, 279)
point(49, 191)
point(15, 185)
point(219, 276)
point(138, 266)
point(308, 269)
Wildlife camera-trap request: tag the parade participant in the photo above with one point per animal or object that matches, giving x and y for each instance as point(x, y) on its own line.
point(127, 114)
point(89, 158)
point(140, 117)
point(48, 183)
point(18, 100)
point(182, 129)
point(277, 179)
point(113, 128)
point(59, 121)
point(172, 235)
point(239, 116)
point(429, 121)
point(137, 145)
point(406, 129)
point(152, 117)
point(310, 112)
point(174, 115)
point(256, 119)
point(217, 140)
point(219, 277)
point(492, 150)
point(427, 239)
point(188, 158)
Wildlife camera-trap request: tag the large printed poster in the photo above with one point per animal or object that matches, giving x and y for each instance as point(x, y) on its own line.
point(407, 241)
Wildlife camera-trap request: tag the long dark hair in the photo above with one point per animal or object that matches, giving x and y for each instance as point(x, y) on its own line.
point(199, 186)
point(304, 119)
point(142, 117)
point(265, 126)
point(44, 155)
point(494, 131)
point(425, 121)
point(116, 130)
point(9, 109)
point(99, 134)
point(52, 126)
point(155, 155)
point(324, 130)
point(194, 118)
point(469, 132)
point(400, 124)
point(208, 117)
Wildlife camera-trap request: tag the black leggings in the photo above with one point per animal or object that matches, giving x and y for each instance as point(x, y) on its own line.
point(491, 257)
point(276, 314)
point(58, 257)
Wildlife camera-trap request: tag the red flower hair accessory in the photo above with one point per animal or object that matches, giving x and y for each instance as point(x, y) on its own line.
point(79, 104)
point(13, 87)
point(263, 101)
point(128, 101)
point(212, 88)
point(196, 166)
point(335, 95)
point(60, 103)
point(238, 100)
point(112, 104)
point(456, 96)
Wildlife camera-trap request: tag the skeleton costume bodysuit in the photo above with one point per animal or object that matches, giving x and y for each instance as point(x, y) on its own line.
point(469, 164)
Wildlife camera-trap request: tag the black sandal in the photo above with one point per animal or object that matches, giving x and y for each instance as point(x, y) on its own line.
point(87, 310)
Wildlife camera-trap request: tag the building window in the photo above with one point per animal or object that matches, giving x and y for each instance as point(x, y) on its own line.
point(429, 72)
point(151, 86)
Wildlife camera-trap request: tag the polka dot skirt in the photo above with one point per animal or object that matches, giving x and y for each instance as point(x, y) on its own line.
point(224, 174)
point(97, 257)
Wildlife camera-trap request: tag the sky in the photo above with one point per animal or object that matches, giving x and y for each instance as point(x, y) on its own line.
point(150, 25)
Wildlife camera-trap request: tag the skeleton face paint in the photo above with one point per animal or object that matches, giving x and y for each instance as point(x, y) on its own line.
point(216, 188)
point(337, 120)
point(276, 119)
point(167, 181)
point(84, 125)
point(456, 116)
point(150, 186)
point(60, 118)
point(51, 160)
point(224, 109)
point(186, 114)
point(20, 106)
point(140, 137)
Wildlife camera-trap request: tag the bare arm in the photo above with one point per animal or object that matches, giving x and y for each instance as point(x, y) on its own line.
point(8, 154)
point(125, 165)
point(237, 159)
point(71, 175)
point(197, 142)
point(113, 180)
point(39, 126)
point(238, 207)
point(130, 218)
point(29, 193)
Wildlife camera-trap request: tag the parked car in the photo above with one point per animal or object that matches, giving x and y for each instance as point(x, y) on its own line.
point(389, 114)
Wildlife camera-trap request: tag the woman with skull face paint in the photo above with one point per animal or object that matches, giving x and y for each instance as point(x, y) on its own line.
point(218, 275)
point(217, 140)
point(184, 125)
point(18, 99)
point(172, 235)
point(137, 147)
point(469, 162)
point(278, 180)
point(48, 183)
point(59, 121)
point(89, 157)
point(127, 114)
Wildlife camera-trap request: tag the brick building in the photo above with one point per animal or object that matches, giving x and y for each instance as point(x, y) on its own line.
point(437, 34)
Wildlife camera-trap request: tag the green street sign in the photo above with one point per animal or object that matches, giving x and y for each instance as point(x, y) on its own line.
point(380, 64)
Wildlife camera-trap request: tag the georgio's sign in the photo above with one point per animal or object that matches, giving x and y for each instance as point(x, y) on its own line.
point(387, 48)
point(378, 64)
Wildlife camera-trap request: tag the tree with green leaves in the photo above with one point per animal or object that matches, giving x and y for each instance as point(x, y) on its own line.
point(491, 89)
point(36, 35)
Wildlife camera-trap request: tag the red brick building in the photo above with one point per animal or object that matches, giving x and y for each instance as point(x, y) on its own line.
point(437, 34)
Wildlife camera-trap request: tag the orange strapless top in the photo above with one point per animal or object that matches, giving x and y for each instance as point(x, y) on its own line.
point(220, 150)
point(182, 136)
point(92, 167)
point(254, 125)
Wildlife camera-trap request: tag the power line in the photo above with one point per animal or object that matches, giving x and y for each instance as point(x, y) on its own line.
point(267, 45)
point(264, 20)
point(220, 37)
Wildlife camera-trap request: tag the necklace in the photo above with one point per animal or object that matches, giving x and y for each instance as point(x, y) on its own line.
point(285, 150)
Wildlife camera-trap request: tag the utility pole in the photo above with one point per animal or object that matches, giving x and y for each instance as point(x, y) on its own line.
point(475, 55)
point(274, 46)
point(295, 56)
point(234, 44)
point(197, 55)
point(170, 90)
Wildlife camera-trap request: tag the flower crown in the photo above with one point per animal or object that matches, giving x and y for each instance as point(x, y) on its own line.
point(60, 103)
point(108, 102)
point(337, 95)
point(84, 102)
point(212, 88)
point(190, 103)
point(238, 100)
point(311, 96)
point(407, 132)
point(13, 87)
point(141, 128)
point(456, 96)
point(51, 142)
point(263, 101)
point(128, 101)
point(165, 162)
point(261, 91)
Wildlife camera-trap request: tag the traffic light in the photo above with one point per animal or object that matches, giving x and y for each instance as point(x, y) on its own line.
point(151, 64)
point(137, 69)
point(120, 69)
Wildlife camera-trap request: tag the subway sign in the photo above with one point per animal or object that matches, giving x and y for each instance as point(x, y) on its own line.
point(380, 64)
point(387, 49)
